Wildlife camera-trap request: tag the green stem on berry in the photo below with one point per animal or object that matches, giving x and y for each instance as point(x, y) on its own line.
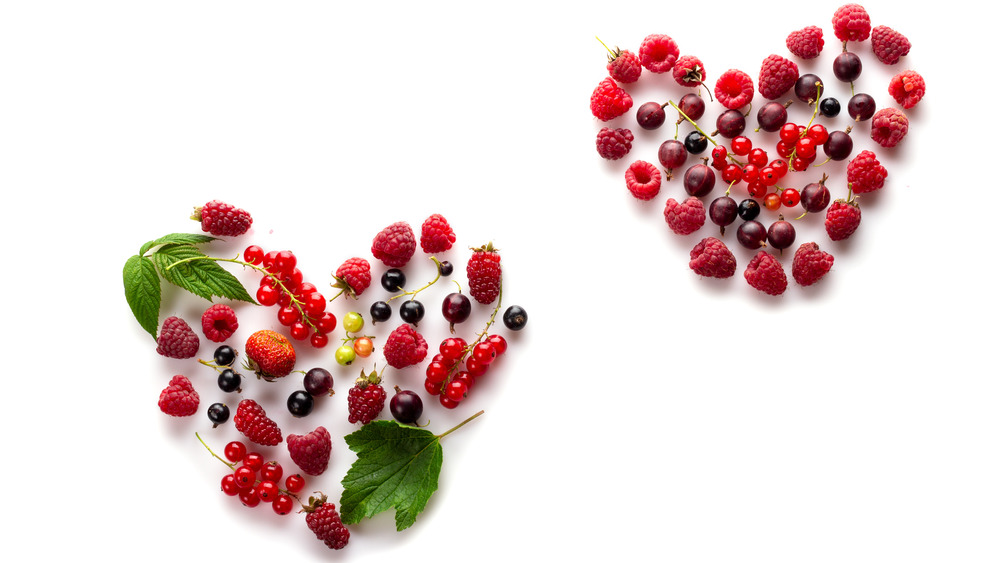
point(414, 293)
point(209, 364)
point(229, 465)
point(459, 425)
point(613, 54)
point(691, 121)
point(819, 93)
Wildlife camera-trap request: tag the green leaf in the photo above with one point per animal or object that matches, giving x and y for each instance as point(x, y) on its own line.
point(176, 238)
point(397, 467)
point(142, 291)
point(198, 273)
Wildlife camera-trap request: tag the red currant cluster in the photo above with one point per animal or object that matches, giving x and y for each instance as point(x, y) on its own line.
point(445, 376)
point(255, 480)
point(302, 308)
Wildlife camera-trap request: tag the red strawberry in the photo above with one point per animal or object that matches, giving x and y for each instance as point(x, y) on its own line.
point(366, 399)
point(436, 235)
point(222, 219)
point(484, 273)
point(311, 452)
point(353, 277)
point(394, 245)
point(270, 354)
point(179, 397)
point(324, 521)
point(404, 347)
point(252, 421)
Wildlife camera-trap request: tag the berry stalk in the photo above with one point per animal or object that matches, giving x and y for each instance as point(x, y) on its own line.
point(459, 425)
point(413, 293)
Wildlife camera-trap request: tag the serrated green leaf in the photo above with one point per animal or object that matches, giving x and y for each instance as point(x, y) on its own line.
point(200, 275)
point(397, 467)
point(176, 238)
point(142, 291)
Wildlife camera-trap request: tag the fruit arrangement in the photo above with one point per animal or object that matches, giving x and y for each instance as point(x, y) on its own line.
point(266, 465)
point(783, 165)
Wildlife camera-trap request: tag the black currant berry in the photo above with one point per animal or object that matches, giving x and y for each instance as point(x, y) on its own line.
point(230, 381)
point(838, 145)
point(218, 413)
point(731, 123)
point(225, 356)
point(515, 317)
point(808, 88)
point(693, 106)
point(861, 107)
point(411, 311)
point(723, 212)
point(318, 381)
point(748, 209)
point(650, 116)
point(771, 116)
point(847, 67)
point(695, 142)
point(445, 268)
point(781, 234)
point(300, 403)
point(456, 308)
point(829, 107)
point(751, 235)
point(406, 406)
point(380, 312)
point(393, 280)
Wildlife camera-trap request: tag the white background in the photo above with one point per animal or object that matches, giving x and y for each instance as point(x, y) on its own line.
point(643, 414)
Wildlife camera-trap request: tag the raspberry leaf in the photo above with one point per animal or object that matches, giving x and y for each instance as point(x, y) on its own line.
point(142, 291)
point(198, 273)
point(176, 238)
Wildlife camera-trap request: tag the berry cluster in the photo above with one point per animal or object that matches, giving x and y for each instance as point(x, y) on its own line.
point(453, 372)
point(254, 480)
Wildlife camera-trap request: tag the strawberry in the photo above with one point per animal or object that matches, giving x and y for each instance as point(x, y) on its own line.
point(269, 354)
point(483, 271)
point(253, 422)
point(366, 399)
point(179, 397)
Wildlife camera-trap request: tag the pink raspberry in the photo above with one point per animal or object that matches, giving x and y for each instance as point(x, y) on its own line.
point(712, 258)
point(658, 53)
point(865, 173)
point(613, 144)
point(842, 218)
point(777, 76)
point(624, 66)
point(907, 88)
point(609, 100)
point(219, 322)
point(395, 244)
point(311, 451)
point(643, 180)
point(353, 277)
point(851, 23)
point(734, 89)
point(688, 71)
point(810, 264)
point(764, 273)
point(889, 126)
point(176, 339)
point(179, 397)
point(806, 43)
point(684, 218)
point(404, 347)
point(436, 235)
point(889, 45)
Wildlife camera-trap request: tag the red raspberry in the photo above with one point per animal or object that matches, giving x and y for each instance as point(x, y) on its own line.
point(324, 521)
point(851, 23)
point(179, 397)
point(889, 45)
point(613, 144)
point(810, 264)
point(734, 89)
point(353, 276)
point(712, 258)
point(889, 126)
point(865, 173)
point(764, 273)
point(219, 322)
point(806, 43)
point(177, 340)
point(907, 88)
point(842, 219)
point(484, 274)
point(404, 347)
point(643, 180)
point(684, 218)
point(222, 219)
point(311, 452)
point(658, 53)
point(436, 235)
point(777, 76)
point(624, 66)
point(688, 71)
point(366, 399)
point(252, 421)
point(395, 245)
point(609, 100)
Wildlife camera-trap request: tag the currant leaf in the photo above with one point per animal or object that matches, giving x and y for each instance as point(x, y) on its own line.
point(176, 238)
point(187, 267)
point(142, 291)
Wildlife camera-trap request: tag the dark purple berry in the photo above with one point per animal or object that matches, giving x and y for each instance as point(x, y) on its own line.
point(699, 180)
point(693, 106)
point(781, 234)
point(808, 88)
point(406, 406)
point(815, 197)
point(751, 235)
point(731, 123)
point(650, 115)
point(318, 382)
point(847, 67)
point(838, 145)
point(861, 107)
point(456, 308)
point(771, 116)
point(723, 211)
point(672, 155)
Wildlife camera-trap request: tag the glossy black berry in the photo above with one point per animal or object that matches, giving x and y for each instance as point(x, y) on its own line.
point(225, 356)
point(230, 381)
point(445, 268)
point(318, 381)
point(456, 308)
point(393, 280)
point(748, 209)
point(829, 107)
point(380, 312)
point(695, 142)
point(411, 311)
point(300, 403)
point(218, 413)
point(515, 317)
point(406, 406)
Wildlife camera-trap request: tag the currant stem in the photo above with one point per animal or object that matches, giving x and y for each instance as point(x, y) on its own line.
point(689, 120)
point(460, 424)
point(413, 294)
point(229, 465)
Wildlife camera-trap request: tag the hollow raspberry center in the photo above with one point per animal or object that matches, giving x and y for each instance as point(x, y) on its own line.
point(643, 176)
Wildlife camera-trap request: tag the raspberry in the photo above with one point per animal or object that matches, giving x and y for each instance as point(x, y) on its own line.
point(613, 144)
point(484, 274)
point(311, 452)
point(643, 180)
point(270, 354)
point(219, 322)
point(688, 71)
point(609, 100)
point(889, 45)
point(658, 53)
point(806, 43)
point(842, 219)
point(404, 347)
point(851, 23)
point(684, 218)
point(366, 399)
point(865, 173)
point(907, 88)
point(179, 397)
point(252, 421)
point(734, 89)
point(222, 219)
point(177, 340)
point(436, 235)
point(712, 258)
point(889, 126)
point(764, 273)
point(777, 76)
point(810, 264)
point(395, 244)
point(624, 66)
point(324, 521)
point(353, 276)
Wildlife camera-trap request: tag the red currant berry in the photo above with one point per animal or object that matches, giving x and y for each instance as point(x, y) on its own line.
point(326, 323)
point(446, 402)
point(268, 262)
point(432, 387)
point(254, 461)
point(719, 153)
point(299, 330)
point(758, 157)
point(285, 261)
point(292, 280)
point(768, 177)
point(452, 348)
point(235, 451)
point(249, 497)
point(750, 173)
point(320, 340)
point(245, 477)
point(295, 483)
point(465, 377)
point(789, 133)
point(315, 304)
point(790, 197)
point(756, 189)
point(732, 173)
point(288, 315)
point(229, 485)
point(484, 353)
point(284, 299)
point(772, 201)
point(283, 504)
point(799, 164)
point(785, 148)
point(437, 372)
point(499, 343)
point(818, 133)
point(304, 290)
point(267, 490)
point(456, 390)
point(805, 147)
point(253, 254)
point(741, 145)
point(780, 168)
point(267, 295)
point(271, 471)
point(474, 367)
